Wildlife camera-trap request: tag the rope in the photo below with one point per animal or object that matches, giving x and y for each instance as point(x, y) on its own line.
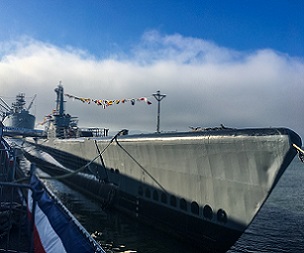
point(81, 168)
point(67, 174)
point(84, 166)
point(100, 155)
point(70, 173)
point(300, 152)
point(154, 179)
point(106, 179)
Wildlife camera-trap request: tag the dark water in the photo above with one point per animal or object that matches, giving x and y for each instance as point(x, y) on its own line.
point(279, 226)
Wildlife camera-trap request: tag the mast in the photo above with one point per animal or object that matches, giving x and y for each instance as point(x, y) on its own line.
point(18, 106)
point(59, 101)
point(159, 98)
point(65, 125)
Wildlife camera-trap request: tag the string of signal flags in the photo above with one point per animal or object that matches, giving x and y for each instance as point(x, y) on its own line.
point(108, 102)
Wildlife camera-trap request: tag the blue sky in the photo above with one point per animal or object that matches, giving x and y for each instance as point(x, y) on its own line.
point(242, 56)
point(103, 26)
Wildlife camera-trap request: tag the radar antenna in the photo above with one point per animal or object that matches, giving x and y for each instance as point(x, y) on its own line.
point(4, 108)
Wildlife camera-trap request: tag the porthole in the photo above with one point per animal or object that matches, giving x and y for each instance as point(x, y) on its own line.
point(148, 193)
point(194, 208)
point(183, 204)
point(155, 195)
point(163, 198)
point(173, 201)
point(207, 212)
point(221, 216)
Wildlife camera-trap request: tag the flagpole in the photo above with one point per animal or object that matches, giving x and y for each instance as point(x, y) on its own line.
point(159, 97)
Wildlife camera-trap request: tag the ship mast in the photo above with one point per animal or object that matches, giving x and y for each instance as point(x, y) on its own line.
point(65, 125)
point(159, 97)
point(59, 101)
point(62, 121)
point(18, 106)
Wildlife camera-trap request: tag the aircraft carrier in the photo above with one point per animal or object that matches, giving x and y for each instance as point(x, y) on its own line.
point(204, 187)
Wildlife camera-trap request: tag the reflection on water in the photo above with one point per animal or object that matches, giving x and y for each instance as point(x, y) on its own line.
point(279, 226)
point(114, 231)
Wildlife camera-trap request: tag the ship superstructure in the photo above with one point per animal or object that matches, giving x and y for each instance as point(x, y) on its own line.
point(17, 115)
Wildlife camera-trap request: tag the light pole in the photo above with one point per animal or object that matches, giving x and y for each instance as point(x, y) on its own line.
point(159, 97)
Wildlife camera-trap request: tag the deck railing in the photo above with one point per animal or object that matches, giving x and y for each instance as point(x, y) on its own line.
point(15, 226)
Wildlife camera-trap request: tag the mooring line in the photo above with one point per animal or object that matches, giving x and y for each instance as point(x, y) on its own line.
point(300, 152)
point(79, 169)
point(154, 179)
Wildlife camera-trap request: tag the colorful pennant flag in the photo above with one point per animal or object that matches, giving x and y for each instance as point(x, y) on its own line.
point(106, 102)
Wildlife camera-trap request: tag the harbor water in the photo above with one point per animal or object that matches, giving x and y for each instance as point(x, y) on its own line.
point(278, 227)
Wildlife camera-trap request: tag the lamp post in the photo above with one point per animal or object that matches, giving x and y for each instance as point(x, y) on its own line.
point(159, 97)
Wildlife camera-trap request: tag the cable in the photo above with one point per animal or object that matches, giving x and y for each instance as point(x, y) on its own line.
point(81, 168)
point(140, 165)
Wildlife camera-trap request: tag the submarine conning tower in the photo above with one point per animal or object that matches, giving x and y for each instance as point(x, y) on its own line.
point(60, 101)
point(65, 125)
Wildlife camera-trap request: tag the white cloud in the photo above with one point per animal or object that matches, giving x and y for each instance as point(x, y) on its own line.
point(206, 85)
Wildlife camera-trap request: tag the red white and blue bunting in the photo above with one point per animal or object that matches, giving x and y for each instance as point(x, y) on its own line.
point(108, 102)
point(54, 230)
